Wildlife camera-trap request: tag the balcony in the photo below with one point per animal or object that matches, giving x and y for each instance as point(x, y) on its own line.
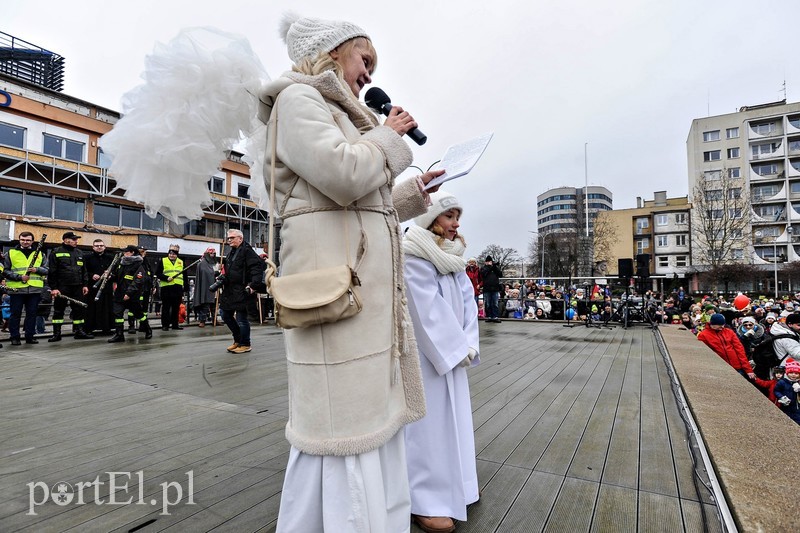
point(765, 130)
point(793, 124)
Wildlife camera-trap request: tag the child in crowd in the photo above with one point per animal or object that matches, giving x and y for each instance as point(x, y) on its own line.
point(6, 310)
point(481, 310)
point(786, 390)
point(767, 386)
point(442, 470)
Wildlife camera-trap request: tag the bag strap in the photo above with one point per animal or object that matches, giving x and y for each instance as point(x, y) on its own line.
point(271, 246)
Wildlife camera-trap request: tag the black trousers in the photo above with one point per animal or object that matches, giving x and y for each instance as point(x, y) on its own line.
point(170, 305)
point(60, 305)
point(134, 305)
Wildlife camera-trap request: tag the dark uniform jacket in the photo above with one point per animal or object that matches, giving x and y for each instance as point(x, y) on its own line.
point(66, 268)
point(130, 277)
point(491, 278)
point(97, 263)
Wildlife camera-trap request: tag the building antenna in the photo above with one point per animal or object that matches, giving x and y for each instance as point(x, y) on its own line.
point(708, 103)
point(784, 89)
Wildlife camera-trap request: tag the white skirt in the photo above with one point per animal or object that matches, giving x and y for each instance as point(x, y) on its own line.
point(353, 494)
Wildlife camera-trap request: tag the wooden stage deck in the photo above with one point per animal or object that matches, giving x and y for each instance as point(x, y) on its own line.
point(576, 429)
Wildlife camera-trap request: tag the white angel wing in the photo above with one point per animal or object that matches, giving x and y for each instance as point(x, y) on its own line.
point(198, 100)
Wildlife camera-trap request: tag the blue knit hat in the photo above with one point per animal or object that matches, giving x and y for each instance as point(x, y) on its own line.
point(717, 320)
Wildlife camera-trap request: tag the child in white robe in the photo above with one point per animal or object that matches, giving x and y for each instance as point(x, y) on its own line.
point(442, 470)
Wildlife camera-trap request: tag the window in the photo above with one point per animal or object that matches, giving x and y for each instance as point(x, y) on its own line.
point(714, 214)
point(764, 149)
point(712, 175)
point(735, 212)
point(69, 209)
point(713, 194)
point(663, 262)
point(11, 202)
point(710, 136)
point(734, 172)
point(713, 155)
point(680, 218)
point(680, 261)
point(794, 145)
point(642, 223)
point(63, 148)
point(153, 223)
point(768, 211)
point(765, 191)
point(11, 135)
point(770, 231)
point(103, 160)
point(732, 133)
point(794, 187)
point(735, 233)
point(642, 245)
point(243, 191)
point(733, 153)
point(131, 217)
point(737, 253)
point(217, 185)
point(765, 128)
point(766, 170)
point(662, 241)
point(661, 220)
point(680, 240)
point(734, 193)
point(39, 205)
point(106, 214)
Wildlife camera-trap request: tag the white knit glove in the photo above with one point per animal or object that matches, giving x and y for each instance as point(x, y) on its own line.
point(784, 400)
point(467, 361)
point(796, 387)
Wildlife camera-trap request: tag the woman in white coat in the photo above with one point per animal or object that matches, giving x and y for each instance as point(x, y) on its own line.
point(442, 470)
point(355, 383)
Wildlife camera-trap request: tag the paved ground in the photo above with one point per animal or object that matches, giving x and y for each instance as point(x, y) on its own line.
point(576, 430)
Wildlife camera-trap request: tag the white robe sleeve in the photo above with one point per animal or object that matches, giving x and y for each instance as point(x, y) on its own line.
point(470, 315)
point(438, 329)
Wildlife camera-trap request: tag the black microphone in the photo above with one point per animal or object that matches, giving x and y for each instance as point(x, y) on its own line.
point(380, 102)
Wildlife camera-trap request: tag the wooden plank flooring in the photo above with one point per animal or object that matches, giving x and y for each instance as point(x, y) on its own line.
point(576, 429)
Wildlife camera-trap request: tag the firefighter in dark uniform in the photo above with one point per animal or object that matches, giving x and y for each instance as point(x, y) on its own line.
point(147, 292)
point(130, 283)
point(171, 280)
point(67, 276)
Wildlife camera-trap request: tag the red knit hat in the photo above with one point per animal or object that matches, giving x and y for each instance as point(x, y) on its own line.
point(792, 366)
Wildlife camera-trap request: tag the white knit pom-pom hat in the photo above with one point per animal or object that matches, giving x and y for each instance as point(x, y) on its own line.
point(307, 37)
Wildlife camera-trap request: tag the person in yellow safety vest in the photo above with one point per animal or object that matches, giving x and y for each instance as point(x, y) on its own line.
point(171, 281)
point(67, 276)
point(26, 278)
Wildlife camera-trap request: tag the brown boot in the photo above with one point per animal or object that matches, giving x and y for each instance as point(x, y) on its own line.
point(434, 524)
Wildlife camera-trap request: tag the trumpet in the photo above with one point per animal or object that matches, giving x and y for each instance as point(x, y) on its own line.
point(72, 300)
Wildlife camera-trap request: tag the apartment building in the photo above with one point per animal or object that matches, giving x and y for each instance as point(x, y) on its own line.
point(564, 208)
point(659, 228)
point(54, 178)
point(755, 150)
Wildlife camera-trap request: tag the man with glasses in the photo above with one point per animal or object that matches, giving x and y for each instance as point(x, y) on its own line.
point(27, 280)
point(171, 282)
point(99, 314)
point(66, 275)
point(241, 279)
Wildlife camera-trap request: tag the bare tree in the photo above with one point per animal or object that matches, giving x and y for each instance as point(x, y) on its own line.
point(504, 258)
point(721, 219)
point(606, 237)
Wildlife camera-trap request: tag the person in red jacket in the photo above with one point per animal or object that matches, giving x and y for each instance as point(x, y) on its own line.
point(726, 344)
point(474, 274)
point(767, 386)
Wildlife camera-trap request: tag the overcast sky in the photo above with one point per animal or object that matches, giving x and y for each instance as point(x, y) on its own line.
point(625, 76)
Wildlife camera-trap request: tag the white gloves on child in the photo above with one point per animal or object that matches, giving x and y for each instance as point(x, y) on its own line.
point(784, 400)
point(467, 361)
point(796, 387)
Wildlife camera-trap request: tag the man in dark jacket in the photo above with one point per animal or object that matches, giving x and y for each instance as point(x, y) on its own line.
point(67, 276)
point(99, 313)
point(491, 275)
point(241, 278)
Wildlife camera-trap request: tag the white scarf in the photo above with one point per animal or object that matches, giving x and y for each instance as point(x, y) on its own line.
point(447, 257)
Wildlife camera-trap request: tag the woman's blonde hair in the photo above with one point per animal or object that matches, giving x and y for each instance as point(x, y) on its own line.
point(437, 230)
point(324, 62)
